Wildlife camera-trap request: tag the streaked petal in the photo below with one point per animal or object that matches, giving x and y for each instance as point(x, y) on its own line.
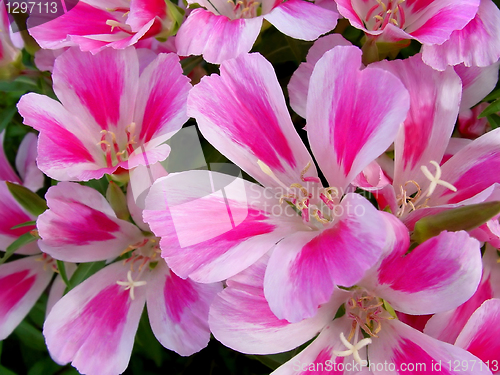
point(241, 319)
point(310, 264)
point(477, 83)
point(477, 44)
point(299, 82)
point(217, 38)
point(32, 177)
point(438, 275)
point(178, 310)
point(94, 325)
point(211, 232)
point(22, 283)
point(7, 173)
point(434, 103)
point(80, 226)
point(403, 346)
point(302, 20)
point(243, 114)
point(363, 112)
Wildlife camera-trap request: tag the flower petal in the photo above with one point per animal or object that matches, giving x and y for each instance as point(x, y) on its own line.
point(302, 20)
point(7, 173)
point(438, 275)
point(94, 325)
point(477, 83)
point(241, 319)
point(299, 82)
point(434, 103)
point(477, 44)
point(81, 226)
point(412, 351)
point(211, 232)
point(310, 264)
point(23, 282)
point(363, 112)
point(243, 114)
point(178, 310)
point(216, 37)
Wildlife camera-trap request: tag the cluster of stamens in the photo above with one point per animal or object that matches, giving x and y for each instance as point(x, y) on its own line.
point(367, 313)
point(408, 203)
point(392, 12)
point(300, 197)
point(119, 25)
point(143, 254)
point(109, 145)
point(245, 8)
point(48, 261)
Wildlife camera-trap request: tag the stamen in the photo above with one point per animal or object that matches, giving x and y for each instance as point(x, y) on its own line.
point(263, 166)
point(435, 179)
point(311, 178)
point(130, 284)
point(352, 349)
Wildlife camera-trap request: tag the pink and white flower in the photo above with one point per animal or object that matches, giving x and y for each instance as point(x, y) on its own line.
point(427, 21)
point(94, 325)
point(319, 239)
point(435, 275)
point(109, 117)
point(94, 25)
point(228, 29)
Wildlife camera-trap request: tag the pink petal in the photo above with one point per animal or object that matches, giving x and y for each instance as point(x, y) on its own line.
point(13, 214)
point(23, 282)
point(32, 177)
point(80, 225)
point(82, 83)
point(299, 82)
point(58, 287)
point(470, 125)
point(311, 263)
point(161, 100)
point(438, 275)
point(93, 326)
point(477, 83)
point(210, 233)
point(243, 114)
point(434, 102)
point(477, 44)
point(216, 37)
point(241, 319)
point(83, 19)
point(7, 173)
point(480, 334)
point(411, 351)
point(302, 20)
point(446, 326)
point(142, 11)
point(178, 310)
point(471, 170)
point(360, 119)
point(318, 357)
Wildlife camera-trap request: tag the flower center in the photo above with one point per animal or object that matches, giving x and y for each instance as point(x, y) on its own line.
point(110, 146)
point(144, 253)
point(367, 313)
point(245, 8)
point(385, 12)
point(408, 203)
point(300, 196)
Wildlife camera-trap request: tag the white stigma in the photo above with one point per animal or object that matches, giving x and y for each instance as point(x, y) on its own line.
point(130, 284)
point(353, 349)
point(435, 179)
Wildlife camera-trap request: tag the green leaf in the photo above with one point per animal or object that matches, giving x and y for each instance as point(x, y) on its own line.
point(26, 224)
point(6, 117)
point(492, 96)
point(494, 120)
point(491, 109)
point(30, 336)
point(6, 371)
point(273, 361)
point(83, 272)
point(27, 199)
point(24, 239)
point(461, 218)
point(62, 271)
point(189, 63)
point(44, 367)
